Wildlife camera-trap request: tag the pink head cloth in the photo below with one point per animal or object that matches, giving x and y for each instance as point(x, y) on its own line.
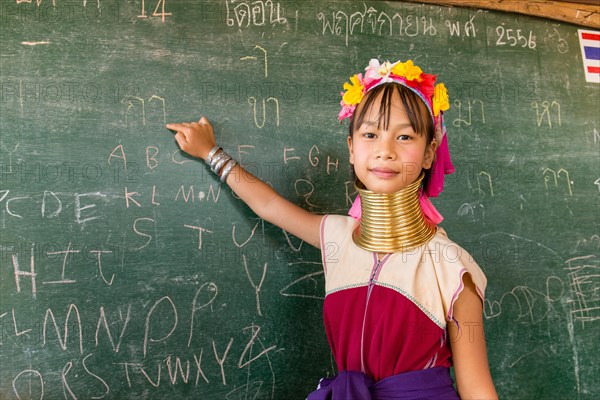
point(442, 165)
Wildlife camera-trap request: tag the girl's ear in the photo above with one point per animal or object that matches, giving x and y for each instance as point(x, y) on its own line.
point(430, 154)
point(350, 150)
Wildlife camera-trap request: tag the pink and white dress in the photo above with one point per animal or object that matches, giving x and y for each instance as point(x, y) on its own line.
point(388, 317)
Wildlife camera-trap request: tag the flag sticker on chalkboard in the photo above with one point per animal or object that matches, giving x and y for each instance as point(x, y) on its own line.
point(590, 51)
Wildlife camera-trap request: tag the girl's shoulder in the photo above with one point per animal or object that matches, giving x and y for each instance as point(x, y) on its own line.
point(338, 227)
point(452, 261)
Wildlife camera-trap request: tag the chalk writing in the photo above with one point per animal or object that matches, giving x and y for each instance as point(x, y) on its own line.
point(551, 175)
point(584, 279)
point(310, 190)
point(221, 360)
point(487, 177)
point(545, 106)
point(173, 371)
point(121, 156)
point(252, 102)
point(255, 329)
point(266, 61)
point(30, 372)
point(140, 233)
point(467, 208)
point(15, 325)
point(100, 271)
point(102, 381)
point(62, 340)
point(288, 239)
point(468, 27)
point(129, 196)
point(207, 290)
point(306, 286)
point(56, 211)
point(51, 199)
point(459, 121)
point(155, 13)
point(79, 208)
point(244, 15)
point(350, 191)
point(593, 241)
point(186, 196)
point(371, 21)
point(533, 305)
point(147, 336)
point(254, 285)
point(18, 272)
point(513, 37)
point(563, 45)
point(200, 230)
point(130, 101)
point(10, 153)
point(62, 275)
point(63, 378)
point(161, 321)
point(103, 322)
point(249, 237)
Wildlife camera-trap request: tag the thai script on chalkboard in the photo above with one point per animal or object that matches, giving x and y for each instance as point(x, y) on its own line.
point(254, 13)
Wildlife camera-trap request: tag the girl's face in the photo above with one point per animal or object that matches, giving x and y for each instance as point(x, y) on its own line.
point(387, 161)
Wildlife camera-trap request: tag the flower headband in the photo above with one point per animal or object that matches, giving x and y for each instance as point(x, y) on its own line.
point(434, 96)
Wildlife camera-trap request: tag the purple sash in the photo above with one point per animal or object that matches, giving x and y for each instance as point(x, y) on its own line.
point(431, 383)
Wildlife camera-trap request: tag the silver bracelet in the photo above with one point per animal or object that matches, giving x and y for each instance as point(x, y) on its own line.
point(219, 165)
point(212, 154)
point(231, 163)
point(220, 155)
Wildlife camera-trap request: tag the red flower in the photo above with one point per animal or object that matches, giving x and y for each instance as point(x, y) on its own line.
point(428, 84)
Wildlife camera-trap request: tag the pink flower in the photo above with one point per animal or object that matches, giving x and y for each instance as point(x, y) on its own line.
point(376, 71)
point(346, 112)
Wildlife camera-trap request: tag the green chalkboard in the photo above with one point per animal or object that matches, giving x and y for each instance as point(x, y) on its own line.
point(128, 271)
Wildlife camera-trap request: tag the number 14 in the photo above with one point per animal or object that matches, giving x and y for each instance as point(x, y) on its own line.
point(159, 3)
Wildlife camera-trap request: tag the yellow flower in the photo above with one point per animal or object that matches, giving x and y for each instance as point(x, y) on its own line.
point(354, 91)
point(408, 70)
point(441, 100)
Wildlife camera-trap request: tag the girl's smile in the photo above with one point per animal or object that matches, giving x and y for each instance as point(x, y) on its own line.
point(384, 173)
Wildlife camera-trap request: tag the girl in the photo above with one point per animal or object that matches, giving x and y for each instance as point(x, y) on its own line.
point(403, 302)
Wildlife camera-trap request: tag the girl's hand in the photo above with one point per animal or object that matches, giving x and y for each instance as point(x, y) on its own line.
point(195, 138)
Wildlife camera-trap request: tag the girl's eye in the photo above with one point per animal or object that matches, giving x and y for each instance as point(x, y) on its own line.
point(404, 137)
point(368, 135)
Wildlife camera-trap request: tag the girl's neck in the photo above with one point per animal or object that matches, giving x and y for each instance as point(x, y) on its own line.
point(392, 222)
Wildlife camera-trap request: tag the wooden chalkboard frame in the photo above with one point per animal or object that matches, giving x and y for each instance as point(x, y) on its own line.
point(585, 13)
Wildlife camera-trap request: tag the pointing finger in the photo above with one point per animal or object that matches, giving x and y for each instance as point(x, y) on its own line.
point(175, 127)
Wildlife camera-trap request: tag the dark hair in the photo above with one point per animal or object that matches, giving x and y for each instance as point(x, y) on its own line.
point(418, 114)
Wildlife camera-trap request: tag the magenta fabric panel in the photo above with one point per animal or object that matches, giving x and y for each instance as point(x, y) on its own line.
point(398, 336)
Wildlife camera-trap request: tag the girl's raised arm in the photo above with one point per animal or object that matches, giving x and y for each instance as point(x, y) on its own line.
point(197, 139)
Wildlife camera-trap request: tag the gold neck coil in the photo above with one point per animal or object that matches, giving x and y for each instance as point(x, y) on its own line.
point(392, 222)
